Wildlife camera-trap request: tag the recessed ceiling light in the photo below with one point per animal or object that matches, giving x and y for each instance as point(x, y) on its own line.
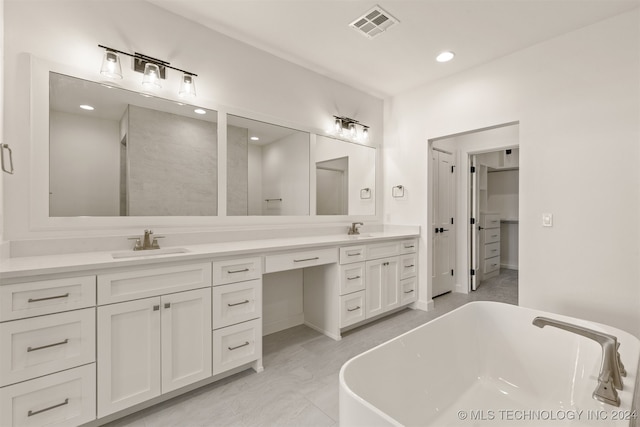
point(445, 56)
point(254, 138)
point(199, 111)
point(87, 107)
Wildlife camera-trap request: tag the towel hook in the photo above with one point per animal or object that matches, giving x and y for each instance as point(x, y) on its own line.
point(2, 148)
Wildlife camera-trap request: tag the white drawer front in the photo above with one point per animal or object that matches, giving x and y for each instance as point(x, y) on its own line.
point(237, 302)
point(490, 220)
point(352, 278)
point(408, 246)
point(293, 260)
point(408, 266)
point(491, 235)
point(382, 250)
point(491, 264)
point(491, 250)
point(67, 398)
point(236, 345)
point(409, 290)
point(352, 308)
point(135, 284)
point(47, 296)
point(42, 345)
point(350, 254)
point(236, 270)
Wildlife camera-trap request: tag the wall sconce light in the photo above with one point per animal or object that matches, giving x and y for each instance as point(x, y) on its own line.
point(348, 128)
point(153, 70)
point(397, 191)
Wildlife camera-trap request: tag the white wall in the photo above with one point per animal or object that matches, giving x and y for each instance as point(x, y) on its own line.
point(2, 126)
point(255, 179)
point(231, 75)
point(577, 100)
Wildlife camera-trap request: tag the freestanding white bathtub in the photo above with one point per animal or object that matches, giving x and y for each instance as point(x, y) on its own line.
point(486, 364)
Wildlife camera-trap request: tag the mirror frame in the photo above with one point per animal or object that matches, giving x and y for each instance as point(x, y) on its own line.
point(39, 219)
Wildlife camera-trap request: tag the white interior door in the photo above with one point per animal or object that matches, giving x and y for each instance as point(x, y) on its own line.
point(443, 222)
point(475, 217)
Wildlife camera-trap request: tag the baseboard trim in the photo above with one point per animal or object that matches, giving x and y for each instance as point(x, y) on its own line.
point(281, 325)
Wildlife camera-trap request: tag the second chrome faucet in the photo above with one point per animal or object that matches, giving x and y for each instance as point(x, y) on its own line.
point(148, 242)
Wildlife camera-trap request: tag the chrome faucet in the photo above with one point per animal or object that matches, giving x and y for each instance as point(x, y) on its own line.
point(148, 241)
point(354, 228)
point(611, 371)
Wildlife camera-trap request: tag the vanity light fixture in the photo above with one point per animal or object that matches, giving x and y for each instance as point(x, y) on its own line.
point(445, 56)
point(348, 128)
point(153, 69)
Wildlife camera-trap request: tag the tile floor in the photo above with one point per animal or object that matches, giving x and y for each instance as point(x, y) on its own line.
point(299, 385)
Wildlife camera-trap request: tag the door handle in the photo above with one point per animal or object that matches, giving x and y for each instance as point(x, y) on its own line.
point(437, 230)
point(480, 228)
point(442, 230)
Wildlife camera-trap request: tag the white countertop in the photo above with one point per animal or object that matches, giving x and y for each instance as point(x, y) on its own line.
point(14, 268)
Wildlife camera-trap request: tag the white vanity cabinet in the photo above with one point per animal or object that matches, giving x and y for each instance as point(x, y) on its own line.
point(153, 345)
point(47, 352)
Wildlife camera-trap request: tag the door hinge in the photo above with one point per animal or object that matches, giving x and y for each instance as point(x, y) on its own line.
point(473, 272)
point(451, 221)
point(452, 272)
point(473, 221)
point(473, 169)
point(452, 168)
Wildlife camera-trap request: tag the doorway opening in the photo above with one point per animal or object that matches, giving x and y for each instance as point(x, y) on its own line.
point(496, 151)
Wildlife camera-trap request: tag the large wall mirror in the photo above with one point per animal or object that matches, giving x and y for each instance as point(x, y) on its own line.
point(345, 177)
point(267, 169)
point(115, 152)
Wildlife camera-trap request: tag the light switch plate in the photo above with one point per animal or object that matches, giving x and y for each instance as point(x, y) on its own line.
point(547, 220)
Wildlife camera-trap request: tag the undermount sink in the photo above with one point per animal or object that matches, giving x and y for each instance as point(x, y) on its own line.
point(360, 236)
point(148, 253)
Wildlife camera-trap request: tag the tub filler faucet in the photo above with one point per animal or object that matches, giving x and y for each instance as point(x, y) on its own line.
point(611, 371)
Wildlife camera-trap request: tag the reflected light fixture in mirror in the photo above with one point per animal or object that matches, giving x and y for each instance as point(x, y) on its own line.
point(187, 86)
point(111, 65)
point(151, 76)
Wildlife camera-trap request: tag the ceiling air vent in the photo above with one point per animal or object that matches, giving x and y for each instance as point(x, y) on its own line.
point(374, 22)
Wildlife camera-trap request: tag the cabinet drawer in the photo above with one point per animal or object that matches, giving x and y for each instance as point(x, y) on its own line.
point(408, 246)
point(135, 284)
point(67, 398)
point(350, 254)
point(408, 266)
point(47, 296)
point(43, 345)
point(237, 302)
point(382, 250)
point(236, 270)
point(293, 260)
point(236, 345)
point(491, 236)
point(352, 308)
point(352, 278)
point(491, 250)
point(490, 221)
point(491, 264)
point(408, 290)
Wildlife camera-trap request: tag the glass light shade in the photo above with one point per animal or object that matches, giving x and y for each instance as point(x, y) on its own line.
point(353, 132)
point(111, 65)
point(365, 134)
point(187, 86)
point(151, 76)
point(337, 127)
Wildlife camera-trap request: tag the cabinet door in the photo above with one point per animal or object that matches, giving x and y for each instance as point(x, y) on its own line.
point(391, 285)
point(186, 338)
point(374, 294)
point(128, 354)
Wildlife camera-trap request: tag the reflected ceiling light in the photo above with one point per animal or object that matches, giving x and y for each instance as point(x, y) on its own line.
point(348, 128)
point(445, 56)
point(111, 65)
point(153, 69)
point(254, 138)
point(199, 111)
point(87, 107)
point(187, 86)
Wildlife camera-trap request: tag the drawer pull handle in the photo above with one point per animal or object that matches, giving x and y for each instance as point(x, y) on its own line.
point(409, 291)
point(353, 278)
point(354, 254)
point(244, 270)
point(408, 247)
point(32, 413)
point(246, 343)
point(409, 266)
point(238, 303)
point(48, 298)
point(353, 309)
point(493, 265)
point(30, 349)
point(494, 250)
point(307, 259)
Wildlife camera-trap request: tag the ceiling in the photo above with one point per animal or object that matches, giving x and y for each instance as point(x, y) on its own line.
point(316, 33)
